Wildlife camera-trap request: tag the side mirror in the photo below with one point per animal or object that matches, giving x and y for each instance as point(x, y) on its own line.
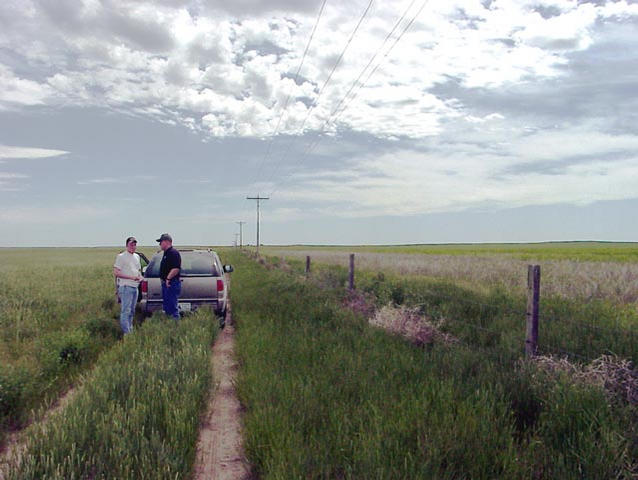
point(228, 268)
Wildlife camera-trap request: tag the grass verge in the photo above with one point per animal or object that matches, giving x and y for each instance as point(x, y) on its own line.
point(327, 396)
point(137, 415)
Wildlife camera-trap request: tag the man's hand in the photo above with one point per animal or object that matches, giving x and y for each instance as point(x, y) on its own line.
point(168, 282)
point(139, 278)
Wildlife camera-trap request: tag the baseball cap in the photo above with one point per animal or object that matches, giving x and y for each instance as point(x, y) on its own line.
point(131, 239)
point(164, 236)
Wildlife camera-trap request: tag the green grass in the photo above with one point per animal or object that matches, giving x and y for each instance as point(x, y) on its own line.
point(57, 313)
point(578, 251)
point(327, 396)
point(137, 415)
point(495, 317)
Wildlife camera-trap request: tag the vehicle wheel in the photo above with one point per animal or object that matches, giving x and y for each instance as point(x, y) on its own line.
point(222, 320)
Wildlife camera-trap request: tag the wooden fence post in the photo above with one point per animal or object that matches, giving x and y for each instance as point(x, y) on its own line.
point(351, 273)
point(307, 264)
point(533, 296)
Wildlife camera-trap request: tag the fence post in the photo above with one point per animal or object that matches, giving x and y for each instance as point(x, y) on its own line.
point(533, 296)
point(307, 264)
point(351, 273)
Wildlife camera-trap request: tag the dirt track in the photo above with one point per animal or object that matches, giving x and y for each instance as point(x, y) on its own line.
point(220, 455)
point(15, 445)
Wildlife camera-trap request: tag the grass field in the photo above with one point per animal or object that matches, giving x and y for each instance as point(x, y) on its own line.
point(57, 313)
point(137, 414)
point(328, 396)
point(576, 251)
point(570, 276)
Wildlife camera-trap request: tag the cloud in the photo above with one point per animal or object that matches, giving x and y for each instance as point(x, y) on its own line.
point(225, 70)
point(16, 91)
point(116, 180)
point(50, 216)
point(13, 152)
point(10, 182)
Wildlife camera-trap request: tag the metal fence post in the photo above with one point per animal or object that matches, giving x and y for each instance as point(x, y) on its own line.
point(351, 273)
point(533, 297)
point(307, 264)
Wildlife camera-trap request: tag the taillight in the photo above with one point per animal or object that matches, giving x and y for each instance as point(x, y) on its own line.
point(220, 285)
point(144, 286)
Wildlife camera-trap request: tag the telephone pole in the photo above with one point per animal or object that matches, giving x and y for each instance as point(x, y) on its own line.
point(241, 243)
point(258, 198)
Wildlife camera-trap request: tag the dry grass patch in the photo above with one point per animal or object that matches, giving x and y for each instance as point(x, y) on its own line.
point(615, 375)
point(408, 323)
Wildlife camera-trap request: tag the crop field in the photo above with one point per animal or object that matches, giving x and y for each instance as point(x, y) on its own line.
point(418, 373)
point(57, 313)
point(577, 251)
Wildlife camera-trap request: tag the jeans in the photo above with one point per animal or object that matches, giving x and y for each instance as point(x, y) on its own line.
point(128, 296)
point(170, 296)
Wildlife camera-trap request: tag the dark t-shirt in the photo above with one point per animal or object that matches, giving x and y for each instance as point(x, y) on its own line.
point(171, 259)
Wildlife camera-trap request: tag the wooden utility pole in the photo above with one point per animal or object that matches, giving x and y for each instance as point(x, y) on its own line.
point(307, 264)
point(241, 242)
point(533, 297)
point(258, 198)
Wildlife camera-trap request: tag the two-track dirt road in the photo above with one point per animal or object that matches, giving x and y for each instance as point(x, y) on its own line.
point(220, 455)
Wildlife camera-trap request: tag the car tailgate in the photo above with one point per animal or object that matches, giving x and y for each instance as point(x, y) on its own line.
point(198, 288)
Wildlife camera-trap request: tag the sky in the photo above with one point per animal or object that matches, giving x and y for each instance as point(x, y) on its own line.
point(364, 122)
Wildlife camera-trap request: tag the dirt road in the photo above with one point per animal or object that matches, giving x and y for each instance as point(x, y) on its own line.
point(220, 455)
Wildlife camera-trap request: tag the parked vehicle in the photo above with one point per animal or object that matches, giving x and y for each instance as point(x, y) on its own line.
point(203, 283)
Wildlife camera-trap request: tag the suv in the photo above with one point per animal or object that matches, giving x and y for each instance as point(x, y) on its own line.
point(203, 283)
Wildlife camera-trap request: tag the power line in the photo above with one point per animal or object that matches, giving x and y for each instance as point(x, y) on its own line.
point(335, 115)
point(325, 84)
point(283, 110)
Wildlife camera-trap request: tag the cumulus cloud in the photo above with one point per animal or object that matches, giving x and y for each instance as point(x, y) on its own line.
point(502, 103)
point(226, 74)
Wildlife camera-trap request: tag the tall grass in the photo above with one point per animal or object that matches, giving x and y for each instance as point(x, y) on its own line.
point(603, 279)
point(494, 316)
point(57, 313)
point(137, 415)
point(327, 396)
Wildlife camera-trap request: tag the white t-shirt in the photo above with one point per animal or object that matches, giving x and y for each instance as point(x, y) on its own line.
point(129, 264)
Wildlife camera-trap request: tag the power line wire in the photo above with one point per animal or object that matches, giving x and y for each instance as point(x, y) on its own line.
point(335, 115)
point(283, 110)
point(325, 84)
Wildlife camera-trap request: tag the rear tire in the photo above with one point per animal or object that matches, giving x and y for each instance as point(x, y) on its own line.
point(222, 320)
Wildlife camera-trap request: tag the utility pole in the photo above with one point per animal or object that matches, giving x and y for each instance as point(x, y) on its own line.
point(258, 198)
point(241, 243)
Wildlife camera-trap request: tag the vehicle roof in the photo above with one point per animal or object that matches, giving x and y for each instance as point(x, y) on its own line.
point(207, 251)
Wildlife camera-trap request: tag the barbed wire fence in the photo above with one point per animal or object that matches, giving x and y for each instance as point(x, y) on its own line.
point(578, 339)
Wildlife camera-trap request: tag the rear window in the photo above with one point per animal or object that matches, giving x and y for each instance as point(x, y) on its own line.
point(193, 263)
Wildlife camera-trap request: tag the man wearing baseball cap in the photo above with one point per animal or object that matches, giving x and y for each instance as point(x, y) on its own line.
point(170, 267)
point(127, 271)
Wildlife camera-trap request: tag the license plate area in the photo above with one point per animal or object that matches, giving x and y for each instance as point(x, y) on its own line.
point(184, 306)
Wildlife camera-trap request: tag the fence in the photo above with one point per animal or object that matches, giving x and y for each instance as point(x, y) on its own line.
point(590, 337)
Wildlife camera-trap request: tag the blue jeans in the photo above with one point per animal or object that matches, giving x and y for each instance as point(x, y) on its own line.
point(170, 296)
point(128, 296)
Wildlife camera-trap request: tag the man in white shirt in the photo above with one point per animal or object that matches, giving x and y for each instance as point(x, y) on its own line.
point(127, 270)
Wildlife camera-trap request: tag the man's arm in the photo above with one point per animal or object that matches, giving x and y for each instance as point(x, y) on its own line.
point(118, 273)
point(171, 274)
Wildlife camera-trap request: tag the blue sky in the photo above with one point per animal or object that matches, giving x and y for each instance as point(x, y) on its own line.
point(488, 121)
